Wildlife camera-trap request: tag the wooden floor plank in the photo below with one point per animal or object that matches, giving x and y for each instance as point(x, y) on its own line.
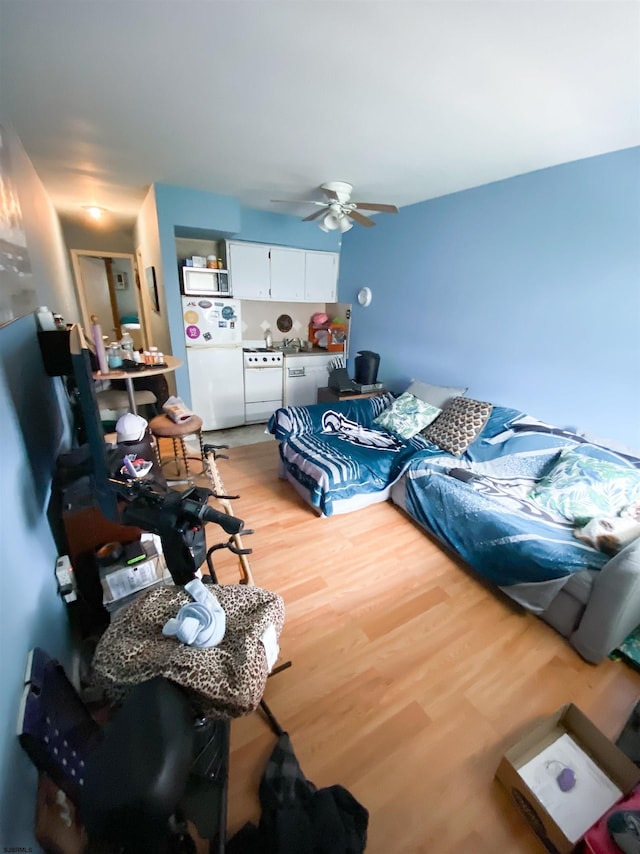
point(410, 676)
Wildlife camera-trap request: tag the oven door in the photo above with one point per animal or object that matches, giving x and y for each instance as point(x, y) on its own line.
point(262, 393)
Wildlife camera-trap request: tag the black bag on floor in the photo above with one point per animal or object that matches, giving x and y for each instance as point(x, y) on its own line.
point(298, 818)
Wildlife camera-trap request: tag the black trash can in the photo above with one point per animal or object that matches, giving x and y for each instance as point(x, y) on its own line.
point(367, 364)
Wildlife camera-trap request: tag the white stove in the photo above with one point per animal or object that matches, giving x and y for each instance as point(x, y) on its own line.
point(261, 357)
point(263, 383)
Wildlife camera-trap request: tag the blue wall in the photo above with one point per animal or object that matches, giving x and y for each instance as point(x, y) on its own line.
point(35, 427)
point(195, 213)
point(527, 291)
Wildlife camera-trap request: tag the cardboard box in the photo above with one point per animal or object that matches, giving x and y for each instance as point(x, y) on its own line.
point(120, 581)
point(617, 769)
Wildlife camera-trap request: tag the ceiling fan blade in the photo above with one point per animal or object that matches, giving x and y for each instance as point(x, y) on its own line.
point(374, 206)
point(316, 214)
point(363, 220)
point(297, 202)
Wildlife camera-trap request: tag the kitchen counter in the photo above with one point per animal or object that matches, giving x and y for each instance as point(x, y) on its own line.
point(317, 351)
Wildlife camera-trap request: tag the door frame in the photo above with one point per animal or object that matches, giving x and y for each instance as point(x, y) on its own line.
point(79, 284)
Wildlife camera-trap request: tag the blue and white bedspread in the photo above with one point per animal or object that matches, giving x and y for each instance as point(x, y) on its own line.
point(490, 521)
point(336, 452)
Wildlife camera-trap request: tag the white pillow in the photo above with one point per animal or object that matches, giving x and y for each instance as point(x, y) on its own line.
point(436, 395)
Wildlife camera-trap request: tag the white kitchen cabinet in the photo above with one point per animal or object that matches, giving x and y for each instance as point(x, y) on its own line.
point(321, 276)
point(287, 274)
point(250, 270)
point(262, 272)
point(303, 376)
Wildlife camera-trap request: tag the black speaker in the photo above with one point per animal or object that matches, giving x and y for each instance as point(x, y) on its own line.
point(367, 364)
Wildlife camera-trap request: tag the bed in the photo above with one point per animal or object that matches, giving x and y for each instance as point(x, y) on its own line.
point(336, 458)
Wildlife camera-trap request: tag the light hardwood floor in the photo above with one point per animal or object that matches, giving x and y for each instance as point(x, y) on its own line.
point(410, 678)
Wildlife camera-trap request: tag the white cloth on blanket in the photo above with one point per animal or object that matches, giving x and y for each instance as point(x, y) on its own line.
point(201, 623)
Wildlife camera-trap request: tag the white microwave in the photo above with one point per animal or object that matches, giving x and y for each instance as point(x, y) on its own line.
point(204, 282)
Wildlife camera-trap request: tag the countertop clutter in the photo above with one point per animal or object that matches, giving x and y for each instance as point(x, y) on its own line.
point(288, 349)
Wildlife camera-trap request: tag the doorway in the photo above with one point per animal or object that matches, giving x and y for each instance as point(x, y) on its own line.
point(108, 287)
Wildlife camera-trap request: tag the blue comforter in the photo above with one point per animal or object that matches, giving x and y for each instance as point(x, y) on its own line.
point(490, 520)
point(336, 451)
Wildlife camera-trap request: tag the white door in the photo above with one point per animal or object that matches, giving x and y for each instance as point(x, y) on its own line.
point(249, 270)
point(321, 276)
point(217, 386)
point(287, 274)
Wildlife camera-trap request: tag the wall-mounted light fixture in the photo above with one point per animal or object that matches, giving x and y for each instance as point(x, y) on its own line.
point(364, 297)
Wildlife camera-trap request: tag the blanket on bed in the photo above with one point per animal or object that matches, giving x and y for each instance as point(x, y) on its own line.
point(336, 452)
point(491, 520)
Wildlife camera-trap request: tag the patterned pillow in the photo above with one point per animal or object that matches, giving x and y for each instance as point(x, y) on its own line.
point(581, 487)
point(461, 422)
point(407, 416)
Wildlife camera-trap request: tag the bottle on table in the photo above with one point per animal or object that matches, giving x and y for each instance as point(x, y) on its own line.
point(114, 357)
point(98, 343)
point(126, 345)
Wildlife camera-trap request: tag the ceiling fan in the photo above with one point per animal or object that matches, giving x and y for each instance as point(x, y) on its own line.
point(338, 211)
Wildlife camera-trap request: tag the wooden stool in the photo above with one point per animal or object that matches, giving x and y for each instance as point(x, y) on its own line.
point(162, 427)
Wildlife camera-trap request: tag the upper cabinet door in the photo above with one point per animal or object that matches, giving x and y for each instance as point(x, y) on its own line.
point(249, 270)
point(287, 274)
point(321, 278)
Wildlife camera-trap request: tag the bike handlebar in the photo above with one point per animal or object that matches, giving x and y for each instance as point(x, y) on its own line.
point(229, 524)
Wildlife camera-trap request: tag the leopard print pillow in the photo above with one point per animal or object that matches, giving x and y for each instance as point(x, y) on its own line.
point(460, 423)
point(223, 681)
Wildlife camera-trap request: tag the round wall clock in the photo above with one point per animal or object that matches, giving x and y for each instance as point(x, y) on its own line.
point(364, 296)
point(284, 323)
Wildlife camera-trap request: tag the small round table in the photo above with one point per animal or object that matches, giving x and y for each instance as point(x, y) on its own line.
point(171, 363)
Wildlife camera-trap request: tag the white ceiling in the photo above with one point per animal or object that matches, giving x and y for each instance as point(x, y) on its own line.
point(261, 100)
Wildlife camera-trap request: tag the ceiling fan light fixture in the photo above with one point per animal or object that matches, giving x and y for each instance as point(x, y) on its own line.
point(337, 212)
point(330, 222)
point(335, 221)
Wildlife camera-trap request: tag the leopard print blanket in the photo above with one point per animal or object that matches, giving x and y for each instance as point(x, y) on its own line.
point(223, 681)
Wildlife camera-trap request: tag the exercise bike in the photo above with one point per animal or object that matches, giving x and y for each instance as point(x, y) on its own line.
point(138, 781)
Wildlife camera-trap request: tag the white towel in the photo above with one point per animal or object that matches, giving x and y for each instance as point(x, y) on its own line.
point(201, 623)
point(176, 409)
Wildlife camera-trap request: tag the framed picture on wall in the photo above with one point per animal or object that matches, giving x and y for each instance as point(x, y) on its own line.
point(121, 282)
point(150, 275)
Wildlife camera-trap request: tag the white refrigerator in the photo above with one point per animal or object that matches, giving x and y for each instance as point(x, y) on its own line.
point(213, 337)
